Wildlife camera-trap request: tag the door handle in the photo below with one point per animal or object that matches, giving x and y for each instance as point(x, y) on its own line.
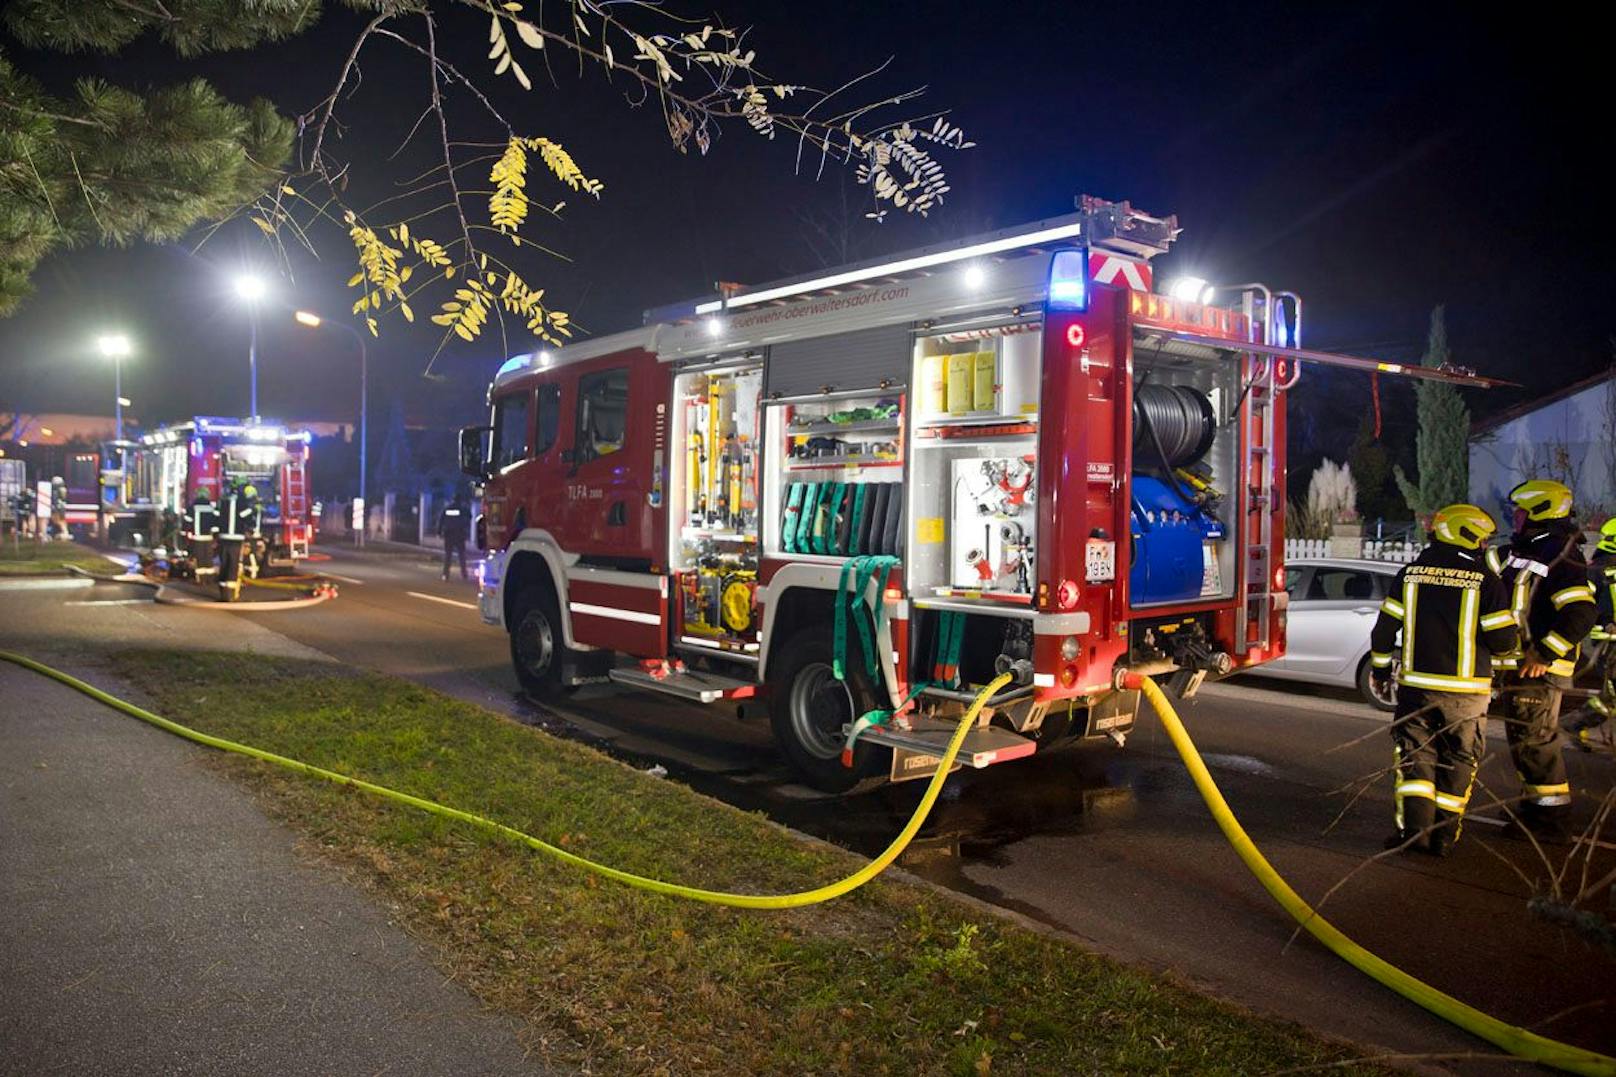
point(1366, 609)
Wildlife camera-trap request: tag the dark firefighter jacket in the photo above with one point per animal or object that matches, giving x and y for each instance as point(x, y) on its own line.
point(1550, 594)
point(238, 516)
point(202, 519)
point(455, 524)
point(1455, 616)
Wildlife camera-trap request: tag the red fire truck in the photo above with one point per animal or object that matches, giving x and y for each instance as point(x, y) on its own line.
point(875, 488)
point(164, 470)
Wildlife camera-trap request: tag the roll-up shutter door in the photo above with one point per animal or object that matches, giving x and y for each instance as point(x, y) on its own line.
point(845, 361)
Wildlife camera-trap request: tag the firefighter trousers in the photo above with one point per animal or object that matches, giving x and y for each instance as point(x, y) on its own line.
point(201, 551)
point(1531, 711)
point(1437, 739)
point(229, 569)
point(454, 550)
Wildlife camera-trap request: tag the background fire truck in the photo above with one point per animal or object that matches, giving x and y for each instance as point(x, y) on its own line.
point(874, 488)
point(163, 471)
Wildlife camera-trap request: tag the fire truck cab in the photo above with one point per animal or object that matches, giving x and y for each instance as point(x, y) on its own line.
point(862, 494)
point(163, 472)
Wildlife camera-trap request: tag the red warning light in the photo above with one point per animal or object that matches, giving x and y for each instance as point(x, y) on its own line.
point(1075, 335)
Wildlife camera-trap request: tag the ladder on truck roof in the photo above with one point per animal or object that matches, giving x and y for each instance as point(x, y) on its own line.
point(295, 504)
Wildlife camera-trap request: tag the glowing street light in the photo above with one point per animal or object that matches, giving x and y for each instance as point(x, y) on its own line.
point(115, 346)
point(305, 318)
point(251, 289)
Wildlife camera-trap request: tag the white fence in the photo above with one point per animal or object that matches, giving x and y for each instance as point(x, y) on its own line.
point(1371, 549)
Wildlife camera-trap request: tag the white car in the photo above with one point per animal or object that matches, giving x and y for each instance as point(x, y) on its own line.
point(1333, 606)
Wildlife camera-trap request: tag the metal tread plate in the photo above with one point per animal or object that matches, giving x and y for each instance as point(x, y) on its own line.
point(692, 684)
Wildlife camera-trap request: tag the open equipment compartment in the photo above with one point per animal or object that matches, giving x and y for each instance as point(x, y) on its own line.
point(715, 476)
point(1186, 444)
point(838, 475)
point(974, 480)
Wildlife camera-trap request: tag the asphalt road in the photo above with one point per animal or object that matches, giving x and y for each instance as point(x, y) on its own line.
point(1112, 846)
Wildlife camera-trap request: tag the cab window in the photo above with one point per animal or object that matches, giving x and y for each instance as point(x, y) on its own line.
point(510, 429)
point(602, 413)
point(549, 418)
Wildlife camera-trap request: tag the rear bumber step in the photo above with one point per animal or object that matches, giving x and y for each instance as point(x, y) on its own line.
point(916, 752)
point(698, 686)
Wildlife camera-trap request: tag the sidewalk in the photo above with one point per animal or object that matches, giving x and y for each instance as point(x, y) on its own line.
point(156, 921)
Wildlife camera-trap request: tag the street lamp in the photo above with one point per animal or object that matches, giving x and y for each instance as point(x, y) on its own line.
point(314, 321)
point(250, 289)
point(115, 346)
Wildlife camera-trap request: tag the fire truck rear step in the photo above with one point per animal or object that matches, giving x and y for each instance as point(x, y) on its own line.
point(912, 748)
point(701, 687)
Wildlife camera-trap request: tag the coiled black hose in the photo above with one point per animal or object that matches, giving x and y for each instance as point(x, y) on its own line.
point(1173, 422)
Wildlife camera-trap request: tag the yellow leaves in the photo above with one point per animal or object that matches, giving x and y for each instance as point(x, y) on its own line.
point(508, 205)
point(263, 225)
point(356, 278)
point(500, 49)
point(529, 34)
point(285, 189)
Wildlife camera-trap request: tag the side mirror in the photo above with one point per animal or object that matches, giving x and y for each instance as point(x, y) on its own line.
point(473, 454)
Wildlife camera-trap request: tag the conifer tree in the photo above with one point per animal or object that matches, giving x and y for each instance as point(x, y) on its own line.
point(1442, 443)
point(112, 165)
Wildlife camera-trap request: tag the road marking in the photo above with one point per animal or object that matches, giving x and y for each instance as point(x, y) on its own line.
point(445, 601)
point(110, 602)
point(344, 579)
point(49, 584)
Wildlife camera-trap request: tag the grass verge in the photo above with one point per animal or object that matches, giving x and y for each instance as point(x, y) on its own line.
point(891, 979)
point(31, 558)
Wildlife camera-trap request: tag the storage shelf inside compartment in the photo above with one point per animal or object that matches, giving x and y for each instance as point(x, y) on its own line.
point(837, 488)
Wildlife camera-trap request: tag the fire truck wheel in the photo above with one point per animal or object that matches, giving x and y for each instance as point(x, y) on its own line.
point(536, 647)
point(809, 710)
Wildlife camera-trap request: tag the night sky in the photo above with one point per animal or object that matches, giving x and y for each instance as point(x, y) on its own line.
point(1377, 158)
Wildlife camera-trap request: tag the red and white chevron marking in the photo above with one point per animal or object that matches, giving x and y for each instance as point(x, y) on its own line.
point(1115, 269)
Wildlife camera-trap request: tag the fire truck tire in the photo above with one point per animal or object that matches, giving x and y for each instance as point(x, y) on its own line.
point(808, 709)
point(537, 650)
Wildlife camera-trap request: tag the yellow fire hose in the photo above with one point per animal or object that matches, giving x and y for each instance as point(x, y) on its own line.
point(1512, 1038)
point(1517, 1041)
point(713, 897)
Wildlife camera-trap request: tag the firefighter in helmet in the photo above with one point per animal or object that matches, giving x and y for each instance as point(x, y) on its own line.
point(1581, 723)
point(236, 512)
point(454, 526)
point(1454, 616)
point(252, 550)
point(1554, 605)
point(201, 524)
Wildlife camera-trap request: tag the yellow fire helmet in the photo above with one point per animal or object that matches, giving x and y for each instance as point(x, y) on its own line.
point(1463, 525)
point(249, 490)
point(1542, 499)
point(1607, 536)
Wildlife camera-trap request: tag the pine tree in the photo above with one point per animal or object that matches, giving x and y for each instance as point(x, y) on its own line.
point(1442, 444)
point(111, 165)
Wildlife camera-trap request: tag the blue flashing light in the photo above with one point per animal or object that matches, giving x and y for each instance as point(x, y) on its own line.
point(513, 364)
point(1069, 280)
